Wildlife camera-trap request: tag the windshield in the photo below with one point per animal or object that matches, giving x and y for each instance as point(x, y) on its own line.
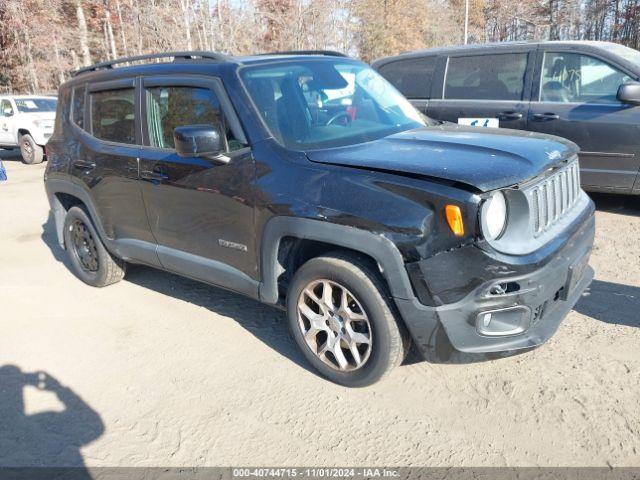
point(31, 105)
point(627, 53)
point(319, 104)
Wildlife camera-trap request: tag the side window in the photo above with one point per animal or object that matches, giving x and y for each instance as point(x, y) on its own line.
point(77, 110)
point(6, 110)
point(486, 77)
point(412, 77)
point(171, 107)
point(112, 115)
point(572, 77)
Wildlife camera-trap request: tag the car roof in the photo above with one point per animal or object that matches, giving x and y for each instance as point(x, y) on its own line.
point(26, 97)
point(191, 62)
point(489, 46)
point(271, 57)
point(150, 62)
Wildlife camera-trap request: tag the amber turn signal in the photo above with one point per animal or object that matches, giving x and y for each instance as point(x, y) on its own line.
point(454, 219)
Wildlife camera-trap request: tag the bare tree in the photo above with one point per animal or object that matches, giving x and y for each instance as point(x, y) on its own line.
point(185, 6)
point(392, 26)
point(123, 34)
point(82, 31)
point(83, 36)
point(108, 27)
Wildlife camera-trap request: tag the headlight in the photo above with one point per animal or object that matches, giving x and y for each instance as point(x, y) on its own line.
point(43, 123)
point(494, 216)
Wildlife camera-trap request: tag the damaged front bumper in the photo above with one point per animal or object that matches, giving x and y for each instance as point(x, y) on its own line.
point(490, 302)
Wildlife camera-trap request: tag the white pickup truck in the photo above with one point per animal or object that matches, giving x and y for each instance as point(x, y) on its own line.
point(26, 121)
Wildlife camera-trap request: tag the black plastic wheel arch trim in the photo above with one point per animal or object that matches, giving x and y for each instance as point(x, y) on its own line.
point(377, 246)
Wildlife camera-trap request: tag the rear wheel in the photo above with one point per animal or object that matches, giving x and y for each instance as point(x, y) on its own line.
point(343, 320)
point(31, 152)
point(91, 261)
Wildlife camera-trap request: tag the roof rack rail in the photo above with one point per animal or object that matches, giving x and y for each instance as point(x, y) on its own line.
point(329, 53)
point(153, 56)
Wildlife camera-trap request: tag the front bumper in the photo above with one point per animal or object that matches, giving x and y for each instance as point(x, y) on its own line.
point(41, 135)
point(540, 294)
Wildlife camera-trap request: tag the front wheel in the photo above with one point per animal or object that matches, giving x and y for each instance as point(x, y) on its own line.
point(342, 318)
point(32, 153)
point(91, 261)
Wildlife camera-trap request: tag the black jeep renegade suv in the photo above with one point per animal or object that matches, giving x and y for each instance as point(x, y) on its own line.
point(308, 182)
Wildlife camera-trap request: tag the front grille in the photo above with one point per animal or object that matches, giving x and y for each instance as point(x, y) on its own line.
point(554, 196)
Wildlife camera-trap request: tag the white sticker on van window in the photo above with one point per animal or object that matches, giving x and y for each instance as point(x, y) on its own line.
point(480, 122)
point(30, 104)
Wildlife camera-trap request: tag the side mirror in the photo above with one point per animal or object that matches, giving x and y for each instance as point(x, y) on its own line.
point(8, 112)
point(199, 141)
point(629, 93)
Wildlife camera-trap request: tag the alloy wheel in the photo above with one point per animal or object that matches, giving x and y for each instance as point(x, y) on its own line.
point(334, 325)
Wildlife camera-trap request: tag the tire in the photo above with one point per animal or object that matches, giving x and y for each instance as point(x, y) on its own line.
point(32, 153)
point(370, 324)
point(90, 260)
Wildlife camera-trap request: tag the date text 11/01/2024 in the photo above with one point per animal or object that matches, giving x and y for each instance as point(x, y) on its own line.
point(315, 472)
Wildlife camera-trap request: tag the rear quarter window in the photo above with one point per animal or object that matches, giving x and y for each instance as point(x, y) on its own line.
point(77, 106)
point(412, 77)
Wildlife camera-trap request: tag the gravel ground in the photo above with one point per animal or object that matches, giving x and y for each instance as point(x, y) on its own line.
point(158, 370)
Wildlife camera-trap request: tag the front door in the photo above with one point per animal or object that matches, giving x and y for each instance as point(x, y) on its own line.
point(7, 112)
point(486, 90)
point(576, 98)
point(200, 210)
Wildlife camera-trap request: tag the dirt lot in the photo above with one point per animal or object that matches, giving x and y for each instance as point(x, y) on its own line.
point(162, 371)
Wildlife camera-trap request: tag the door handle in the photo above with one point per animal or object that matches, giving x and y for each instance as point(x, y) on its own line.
point(545, 117)
point(84, 165)
point(509, 116)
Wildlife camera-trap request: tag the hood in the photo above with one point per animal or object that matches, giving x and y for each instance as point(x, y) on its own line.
point(483, 158)
point(39, 115)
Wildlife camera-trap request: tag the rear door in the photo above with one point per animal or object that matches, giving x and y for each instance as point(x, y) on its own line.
point(412, 77)
point(200, 210)
point(105, 123)
point(575, 97)
point(488, 89)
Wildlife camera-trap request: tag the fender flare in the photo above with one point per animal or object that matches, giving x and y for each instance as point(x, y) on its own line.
point(36, 135)
point(21, 132)
point(377, 246)
point(54, 186)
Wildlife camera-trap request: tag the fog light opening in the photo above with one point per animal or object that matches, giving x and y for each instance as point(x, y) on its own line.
point(504, 288)
point(503, 322)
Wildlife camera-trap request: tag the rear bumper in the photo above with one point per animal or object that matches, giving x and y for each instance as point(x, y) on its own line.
point(539, 296)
